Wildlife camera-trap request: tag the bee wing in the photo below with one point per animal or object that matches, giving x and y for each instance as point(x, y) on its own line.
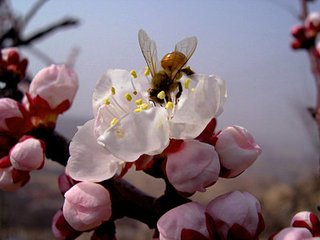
point(187, 46)
point(149, 51)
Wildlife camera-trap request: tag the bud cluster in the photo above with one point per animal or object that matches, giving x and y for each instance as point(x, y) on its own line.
point(20, 151)
point(305, 35)
point(304, 225)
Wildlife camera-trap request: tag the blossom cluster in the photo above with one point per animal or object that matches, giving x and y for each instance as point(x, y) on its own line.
point(304, 225)
point(133, 131)
point(174, 141)
point(305, 35)
point(20, 152)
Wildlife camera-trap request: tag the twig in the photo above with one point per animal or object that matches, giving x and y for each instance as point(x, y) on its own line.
point(49, 29)
point(34, 9)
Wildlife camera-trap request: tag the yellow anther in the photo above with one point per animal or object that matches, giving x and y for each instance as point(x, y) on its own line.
point(138, 110)
point(128, 97)
point(133, 73)
point(114, 121)
point(187, 83)
point(144, 106)
point(139, 101)
point(161, 95)
point(169, 105)
point(147, 71)
point(107, 101)
point(113, 91)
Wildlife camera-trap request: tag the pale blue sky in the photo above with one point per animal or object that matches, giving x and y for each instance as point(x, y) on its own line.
point(244, 42)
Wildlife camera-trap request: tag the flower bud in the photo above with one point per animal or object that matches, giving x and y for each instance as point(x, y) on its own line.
point(237, 150)
point(11, 115)
point(61, 228)
point(193, 167)
point(189, 216)
point(87, 205)
point(12, 179)
point(28, 154)
point(307, 220)
point(292, 233)
point(237, 214)
point(313, 21)
point(57, 85)
point(13, 65)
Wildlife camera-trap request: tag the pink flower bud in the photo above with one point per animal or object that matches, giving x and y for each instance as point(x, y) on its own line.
point(237, 150)
point(189, 216)
point(12, 179)
point(11, 115)
point(236, 214)
point(28, 154)
point(306, 220)
point(292, 233)
point(193, 167)
point(61, 228)
point(313, 21)
point(13, 63)
point(56, 84)
point(87, 205)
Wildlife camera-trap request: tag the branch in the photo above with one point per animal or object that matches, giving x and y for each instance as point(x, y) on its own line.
point(57, 146)
point(35, 8)
point(55, 26)
point(304, 10)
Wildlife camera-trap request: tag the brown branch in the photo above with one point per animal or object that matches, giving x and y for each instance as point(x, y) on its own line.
point(34, 9)
point(304, 10)
point(41, 33)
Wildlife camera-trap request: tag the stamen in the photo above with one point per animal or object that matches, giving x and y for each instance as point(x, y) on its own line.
point(169, 105)
point(187, 83)
point(107, 101)
point(128, 97)
point(114, 121)
point(113, 91)
point(118, 105)
point(193, 89)
point(161, 95)
point(147, 71)
point(133, 73)
point(139, 101)
point(144, 106)
point(137, 110)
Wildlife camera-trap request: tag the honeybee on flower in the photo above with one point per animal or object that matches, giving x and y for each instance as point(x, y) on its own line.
point(165, 82)
point(126, 125)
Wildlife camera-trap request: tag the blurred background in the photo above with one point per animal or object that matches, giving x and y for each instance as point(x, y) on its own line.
point(246, 43)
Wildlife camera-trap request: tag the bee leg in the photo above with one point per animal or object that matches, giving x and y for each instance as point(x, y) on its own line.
point(178, 95)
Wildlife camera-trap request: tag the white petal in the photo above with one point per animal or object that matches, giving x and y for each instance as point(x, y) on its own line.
point(145, 132)
point(122, 82)
point(197, 106)
point(89, 161)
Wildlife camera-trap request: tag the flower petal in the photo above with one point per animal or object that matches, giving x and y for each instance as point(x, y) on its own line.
point(89, 161)
point(114, 85)
point(201, 102)
point(137, 133)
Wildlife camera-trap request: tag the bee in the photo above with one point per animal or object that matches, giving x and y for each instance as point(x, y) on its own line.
point(166, 75)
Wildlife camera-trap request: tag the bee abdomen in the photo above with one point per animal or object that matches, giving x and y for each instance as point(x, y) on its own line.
point(173, 61)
